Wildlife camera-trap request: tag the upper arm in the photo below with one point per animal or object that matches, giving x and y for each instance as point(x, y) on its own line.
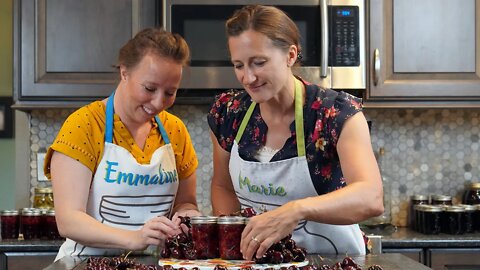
point(71, 183)
point(355, 151)
point(187, 190)
point(221, 160)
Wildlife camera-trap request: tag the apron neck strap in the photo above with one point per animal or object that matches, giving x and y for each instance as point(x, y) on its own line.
point(109, 122)
point(298, 119)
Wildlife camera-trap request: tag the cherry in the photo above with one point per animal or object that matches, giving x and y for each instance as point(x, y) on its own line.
point(248, 212)
point(298, 255)
point(375, 267)
point(290, 244)
point(287, 256)
point(324, 267)
point(276, 257)
point(165, 253)
point(348, 261)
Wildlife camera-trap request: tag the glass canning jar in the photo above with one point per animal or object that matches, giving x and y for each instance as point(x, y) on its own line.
point(468, 218)
point(415, 200)
point(471, 194)
point(31, 223)
point(419, 214)
point(441, 200)
point(431, 219)
point(43, 198)
point(229, 234)
point(452, 220)
point(9, 224)
point(476, 218)
point(51, 226)
point(205, 236)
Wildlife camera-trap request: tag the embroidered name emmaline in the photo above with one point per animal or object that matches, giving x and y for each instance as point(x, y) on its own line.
point(269, 190)
point(133, 179)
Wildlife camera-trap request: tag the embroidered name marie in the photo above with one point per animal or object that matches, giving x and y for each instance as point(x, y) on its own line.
point(269, 190)
point(114, 176)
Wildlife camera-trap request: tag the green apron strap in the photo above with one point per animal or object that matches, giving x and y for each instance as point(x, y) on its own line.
point(247, 116)
point(298, 119)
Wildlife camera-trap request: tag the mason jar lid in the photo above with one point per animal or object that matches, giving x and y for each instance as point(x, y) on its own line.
point(477, 207)
point(43, 190)
point(421, 207)
point(51, 212)
point(473, 185)
point(432, 208)
point(28, 209)
point(419, 197)
point(9, 213)
point(31, 212)
point(442, 198)
point(467, 207)
point(203, 220)
point(231, 220)
point(454, 209)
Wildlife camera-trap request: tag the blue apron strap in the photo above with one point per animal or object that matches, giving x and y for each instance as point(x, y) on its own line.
point(109, 121)
point(162, 130)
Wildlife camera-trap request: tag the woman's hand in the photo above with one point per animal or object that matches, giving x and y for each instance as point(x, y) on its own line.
point(184, 213)
point(154, 232)
point(264, 230)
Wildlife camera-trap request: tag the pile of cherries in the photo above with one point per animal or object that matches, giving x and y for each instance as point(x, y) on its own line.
point(181, 245)
point(348, 264)
point(116, 263)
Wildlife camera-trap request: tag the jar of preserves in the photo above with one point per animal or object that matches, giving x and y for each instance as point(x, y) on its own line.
point(30, 223)
point(415, 200)
point(51, 226)
point(229, 235)
point(468, 218)
point(430, 216)
point(205, 236)
point(43, 198)
point(476, 218)
point(441, 200)
point(419, 214)
point(471, 194)
point(452, 220)
point(9, 224)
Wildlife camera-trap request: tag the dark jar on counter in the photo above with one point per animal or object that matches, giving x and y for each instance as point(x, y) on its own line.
point(476, 218)
point(229, 235)
point(468, 218)
point(472, 194)
point(30, 221)
point(419, 213)
point(9, 224)
point(430, 219)
point(415, 200)
point(51, 228)
point(442, 200)
point(452, 220)
point(205, 236)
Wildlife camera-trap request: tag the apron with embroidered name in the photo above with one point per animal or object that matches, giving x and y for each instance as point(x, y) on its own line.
point(265, 186)
point(124, 193)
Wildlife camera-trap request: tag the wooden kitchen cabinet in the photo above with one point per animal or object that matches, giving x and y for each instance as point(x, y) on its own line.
point(416, 254)
point(26, 260)
point(453, 259)
point(64, 49)
point(424, 53)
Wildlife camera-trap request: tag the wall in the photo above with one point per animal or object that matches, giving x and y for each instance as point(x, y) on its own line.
point(7, 145)
point(426, 151)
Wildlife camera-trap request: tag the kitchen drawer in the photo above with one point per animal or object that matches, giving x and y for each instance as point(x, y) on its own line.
point(453, 258)
point(415, 254)
point(26, 260)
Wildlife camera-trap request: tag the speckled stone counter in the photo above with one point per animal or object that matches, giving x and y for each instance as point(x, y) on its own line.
point(30, 245)
point(406, 238)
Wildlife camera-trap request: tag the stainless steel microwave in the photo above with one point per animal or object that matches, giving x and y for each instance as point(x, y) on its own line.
point(332, 31)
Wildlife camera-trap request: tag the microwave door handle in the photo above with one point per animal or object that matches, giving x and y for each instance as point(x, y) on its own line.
point(324, 36)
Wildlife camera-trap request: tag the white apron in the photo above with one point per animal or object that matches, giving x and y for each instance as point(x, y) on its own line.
point(265, 186)
point(124, 193)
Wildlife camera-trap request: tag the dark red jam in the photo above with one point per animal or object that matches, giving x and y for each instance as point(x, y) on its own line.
point(51, 226)
point(205, 236)
point(476, 218)
point(415, 200)
point(468, 218)
point(471, 194)
point(430, 217)
point(452, 220)
point(9, 224)
point(31, 224)
point(230, 233)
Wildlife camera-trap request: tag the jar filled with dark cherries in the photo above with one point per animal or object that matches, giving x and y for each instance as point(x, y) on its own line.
point(205, 236)
point(476, 218)
point(419, 213)
point(441, 200)
point(430, 219)
point(51, 226)
point(9, 224)
point(415, 200)
point(468, 218)
point(471, 194)
point(31, 223)
point(230, 230)
point(452, 220)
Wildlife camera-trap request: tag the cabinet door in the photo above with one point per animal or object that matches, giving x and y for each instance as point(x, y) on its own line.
point(425, 50)
point(26, 260)
point(65, 49)
point(453, 259)
point(415, 254)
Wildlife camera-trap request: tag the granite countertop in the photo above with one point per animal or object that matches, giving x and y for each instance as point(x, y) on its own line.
point(404, 237)
point(30, 245)
point(391, 261)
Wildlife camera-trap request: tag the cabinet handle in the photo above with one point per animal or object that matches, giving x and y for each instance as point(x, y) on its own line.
point(324, 35)
point(376, 66)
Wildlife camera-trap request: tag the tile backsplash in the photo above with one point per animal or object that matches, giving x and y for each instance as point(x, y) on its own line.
point(427, 151)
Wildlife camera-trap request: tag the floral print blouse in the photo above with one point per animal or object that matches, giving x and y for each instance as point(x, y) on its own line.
point(325, 111)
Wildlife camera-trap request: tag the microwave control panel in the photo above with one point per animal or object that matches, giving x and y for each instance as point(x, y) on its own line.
point(344, 36)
